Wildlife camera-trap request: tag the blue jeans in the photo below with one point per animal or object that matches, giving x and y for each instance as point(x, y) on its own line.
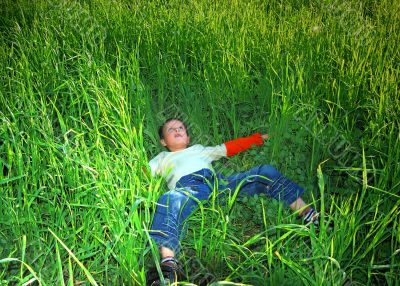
point(175, 206)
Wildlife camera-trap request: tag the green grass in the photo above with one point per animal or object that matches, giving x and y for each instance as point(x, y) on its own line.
point(84, 86)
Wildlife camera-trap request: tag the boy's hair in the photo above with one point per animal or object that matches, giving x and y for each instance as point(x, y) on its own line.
point(161, 128)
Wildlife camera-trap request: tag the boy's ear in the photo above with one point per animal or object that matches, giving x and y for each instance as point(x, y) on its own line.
point(162, 141)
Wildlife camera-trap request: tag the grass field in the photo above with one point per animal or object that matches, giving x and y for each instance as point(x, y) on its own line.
point(85, 84)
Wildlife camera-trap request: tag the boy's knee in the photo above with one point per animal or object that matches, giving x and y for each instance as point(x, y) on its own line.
point(269, 171)
point(173, 199)
point(172, 196)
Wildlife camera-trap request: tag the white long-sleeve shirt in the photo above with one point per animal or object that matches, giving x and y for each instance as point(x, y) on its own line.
point(174, 165)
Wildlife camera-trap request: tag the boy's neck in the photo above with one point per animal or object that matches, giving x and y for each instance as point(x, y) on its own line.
point(178, 149)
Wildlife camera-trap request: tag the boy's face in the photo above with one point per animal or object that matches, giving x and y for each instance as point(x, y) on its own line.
point(175, 136)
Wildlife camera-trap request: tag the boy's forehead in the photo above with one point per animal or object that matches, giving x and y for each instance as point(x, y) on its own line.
point(173, 123)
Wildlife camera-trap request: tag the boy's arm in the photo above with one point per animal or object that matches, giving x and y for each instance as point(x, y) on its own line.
point(153, 166)
point(240, 144)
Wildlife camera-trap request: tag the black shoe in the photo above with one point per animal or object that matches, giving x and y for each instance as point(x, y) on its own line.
point(171, 272)
point(313, 217)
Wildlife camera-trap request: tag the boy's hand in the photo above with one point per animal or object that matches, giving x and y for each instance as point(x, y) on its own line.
point(264, 136)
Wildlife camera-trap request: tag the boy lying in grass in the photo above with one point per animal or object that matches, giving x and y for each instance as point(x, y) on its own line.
point(191, 178)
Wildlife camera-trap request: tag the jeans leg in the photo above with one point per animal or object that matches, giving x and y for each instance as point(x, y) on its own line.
point(265, 179)
point(173, 208)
